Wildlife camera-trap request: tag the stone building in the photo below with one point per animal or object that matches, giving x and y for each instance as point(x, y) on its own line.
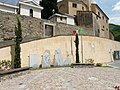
point(62, 18)
point(88, 15)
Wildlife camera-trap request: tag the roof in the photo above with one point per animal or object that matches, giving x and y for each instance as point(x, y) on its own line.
point(61, 15)
point(16, 2)
point(100, 10)
point(27, 1)
point(32, 5)
point(8, 5)
point(56, 14)
point(11, 2)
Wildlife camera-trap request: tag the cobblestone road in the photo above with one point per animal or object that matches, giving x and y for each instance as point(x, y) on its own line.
point(65, 79)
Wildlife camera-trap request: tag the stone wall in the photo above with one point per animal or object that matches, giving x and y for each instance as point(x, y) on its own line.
point(85, 20)
point(31, 27)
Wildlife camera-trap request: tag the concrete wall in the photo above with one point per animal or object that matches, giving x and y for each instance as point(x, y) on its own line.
point(99, 49)
point(5, 53)
point(25, 10)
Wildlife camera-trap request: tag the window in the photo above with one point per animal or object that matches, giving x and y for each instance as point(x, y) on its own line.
point(107, 29)
point(31, 12)
point(106, 21)
point(61, 18)
point(98, 31)
point(102, 29)
point(103, 17)
point(98, 13)
point(96, 17)
point(117, 55)
point(82, 8)
point(74, 5)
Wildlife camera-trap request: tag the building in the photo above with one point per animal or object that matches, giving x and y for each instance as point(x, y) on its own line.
point(30, 8)
point(87, 20)
point(103, 20)
point(72, 6)
point(88, 15)
point(62, 18)
point(22, 7)
point(11, 8)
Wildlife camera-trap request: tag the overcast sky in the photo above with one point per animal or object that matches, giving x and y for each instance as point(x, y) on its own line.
point(111, 8)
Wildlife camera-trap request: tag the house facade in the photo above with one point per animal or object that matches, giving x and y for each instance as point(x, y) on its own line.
point(98, 20)
point(8, 8)
point(30, 8)
point(22, 7)
point(63, 18)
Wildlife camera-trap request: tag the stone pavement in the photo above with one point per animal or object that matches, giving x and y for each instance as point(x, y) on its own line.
point(65, 79)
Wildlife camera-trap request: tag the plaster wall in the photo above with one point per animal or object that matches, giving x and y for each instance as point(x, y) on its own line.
point(7, 9)
point(25, 10)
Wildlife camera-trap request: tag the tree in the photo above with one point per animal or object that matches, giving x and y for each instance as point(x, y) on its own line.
point(77, 48)
point(18, 39)
point(49, 6)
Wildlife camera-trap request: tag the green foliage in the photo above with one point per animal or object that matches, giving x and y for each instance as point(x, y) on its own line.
point(89, 61)
point(77, 48)
point(115, 29)
point(5, 64)
point(48, 6)
point(99, 64)
point(18, 33)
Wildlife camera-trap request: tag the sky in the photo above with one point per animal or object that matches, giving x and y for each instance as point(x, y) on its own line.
point(111, 9)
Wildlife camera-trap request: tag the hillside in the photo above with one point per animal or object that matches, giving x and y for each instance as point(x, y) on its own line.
point(115, 29)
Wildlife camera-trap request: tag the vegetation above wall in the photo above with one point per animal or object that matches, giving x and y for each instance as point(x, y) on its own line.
point(49, 7)
point(115, 29)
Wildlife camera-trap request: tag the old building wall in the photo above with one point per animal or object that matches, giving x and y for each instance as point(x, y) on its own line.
point(63, 6)
point(79, 6)
point(96, 25)
point(85, 20)
point(104, 24)
point(67, 6)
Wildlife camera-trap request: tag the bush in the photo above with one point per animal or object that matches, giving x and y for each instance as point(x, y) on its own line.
point(5, 64)
point(99, 64)
point(89, 61)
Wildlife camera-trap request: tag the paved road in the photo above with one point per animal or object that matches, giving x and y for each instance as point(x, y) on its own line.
point(115, 64)
point(65, 79)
